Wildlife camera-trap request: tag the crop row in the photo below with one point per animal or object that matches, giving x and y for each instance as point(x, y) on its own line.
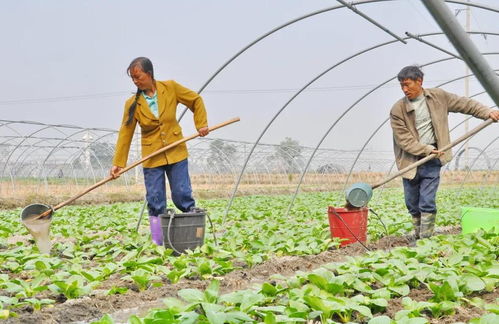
point(93, 244)
point(456, 270)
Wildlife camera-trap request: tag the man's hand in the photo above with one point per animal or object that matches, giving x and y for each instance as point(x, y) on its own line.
point(115, 170)
point(494, 115)
point(438, 153)
point(203, 131)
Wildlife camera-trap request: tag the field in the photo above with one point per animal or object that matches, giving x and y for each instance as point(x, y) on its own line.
point(21, 192)
point(259, 266)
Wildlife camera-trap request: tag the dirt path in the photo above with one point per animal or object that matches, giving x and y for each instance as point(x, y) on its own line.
point(89, 308)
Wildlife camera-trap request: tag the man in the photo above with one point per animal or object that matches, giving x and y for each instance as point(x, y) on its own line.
point(420, 127)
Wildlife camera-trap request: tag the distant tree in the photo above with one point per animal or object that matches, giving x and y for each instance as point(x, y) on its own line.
point(221, 156)
point(289, 152)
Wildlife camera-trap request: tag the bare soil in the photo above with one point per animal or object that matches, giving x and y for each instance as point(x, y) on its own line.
point(121, 307)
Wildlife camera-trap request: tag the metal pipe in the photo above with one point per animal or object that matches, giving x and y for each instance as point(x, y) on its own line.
point(372, 21)
point(416, 37)
point(463, 44)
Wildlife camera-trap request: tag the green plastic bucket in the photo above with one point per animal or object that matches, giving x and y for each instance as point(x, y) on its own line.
point(473, 218)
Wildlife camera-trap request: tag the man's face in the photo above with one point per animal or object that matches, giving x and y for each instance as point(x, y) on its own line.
point(411, 88)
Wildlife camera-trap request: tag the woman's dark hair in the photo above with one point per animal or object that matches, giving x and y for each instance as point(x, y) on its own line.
point(412, 72)
point(145, 65)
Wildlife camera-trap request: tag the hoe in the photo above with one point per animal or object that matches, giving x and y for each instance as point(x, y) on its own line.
point(37, 217)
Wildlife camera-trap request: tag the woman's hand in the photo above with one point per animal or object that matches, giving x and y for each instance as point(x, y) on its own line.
point(494, 115)
point(115, 170)
point(203, 131)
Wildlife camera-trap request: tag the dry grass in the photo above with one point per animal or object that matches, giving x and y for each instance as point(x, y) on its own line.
point(207, 186)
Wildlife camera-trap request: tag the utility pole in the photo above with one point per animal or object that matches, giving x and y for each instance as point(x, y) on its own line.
point(467, 28)
point(467, 92)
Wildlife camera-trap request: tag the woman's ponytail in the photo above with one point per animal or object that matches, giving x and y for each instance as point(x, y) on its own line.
point(133, 107)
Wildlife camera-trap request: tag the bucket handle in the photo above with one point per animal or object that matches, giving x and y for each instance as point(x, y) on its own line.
point(172, 216)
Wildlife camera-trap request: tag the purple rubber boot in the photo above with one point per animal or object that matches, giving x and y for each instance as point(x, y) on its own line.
point(156, 230)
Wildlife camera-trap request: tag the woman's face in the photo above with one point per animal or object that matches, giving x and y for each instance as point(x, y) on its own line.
point(141, 79)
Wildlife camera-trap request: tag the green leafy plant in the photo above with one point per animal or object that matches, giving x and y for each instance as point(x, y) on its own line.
point(72, 287)
point(142, 278)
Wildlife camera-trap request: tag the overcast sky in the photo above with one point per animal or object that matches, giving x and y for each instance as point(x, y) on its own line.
point(65, 62)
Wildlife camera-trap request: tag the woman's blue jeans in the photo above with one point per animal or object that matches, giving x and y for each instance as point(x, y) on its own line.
point(180, 186)
point(420, 193)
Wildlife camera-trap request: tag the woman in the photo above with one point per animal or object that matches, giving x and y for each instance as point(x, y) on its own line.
point(154, 107)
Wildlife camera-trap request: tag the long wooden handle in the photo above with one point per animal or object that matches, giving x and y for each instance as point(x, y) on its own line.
point(133, 165)
point(431, 156)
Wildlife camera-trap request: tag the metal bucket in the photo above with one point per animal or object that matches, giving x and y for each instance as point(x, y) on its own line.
point(39, 228)
point(183, 231)
point(359, 194)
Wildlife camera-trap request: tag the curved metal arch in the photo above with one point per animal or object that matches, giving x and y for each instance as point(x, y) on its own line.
point(12, 129)
point(472, 4)
point(68, 163)
point(206, 176)
point(293, 21)
point(36, 165)
point(362, 150)
point(24, 139)
point(260, 159)
point(79, 154)
point(493, 168)
point(270, 173)
point(460, 153)
point(461, 146)
point(288, 154)
point(12, 176)
point(324, 159)
point(476, 159)
point(284, 107)
point(301, 90)
point(36, 148)
point(24, 156)
point(265, 35)
point(290, 23)
point(252, 177)
point(205, 166)
point(225, 158)
point(93, 153)
point(62, 141)
point(55, 167)
point(5, 164)
point(33, 144)
point(7, 124)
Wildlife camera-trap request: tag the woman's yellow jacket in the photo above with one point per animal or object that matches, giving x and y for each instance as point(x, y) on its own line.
point(158, 132)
